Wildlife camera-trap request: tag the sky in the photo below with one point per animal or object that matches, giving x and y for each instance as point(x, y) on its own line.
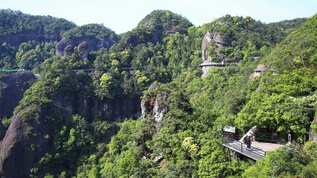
point(124, 15)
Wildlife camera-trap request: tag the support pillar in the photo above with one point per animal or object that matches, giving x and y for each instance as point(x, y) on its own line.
point(237, 158)
point(229, 155)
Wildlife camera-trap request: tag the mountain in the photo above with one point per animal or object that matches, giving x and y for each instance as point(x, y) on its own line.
point(17, 27)
point(155, 26)
point(143, 109)
point(95, 37)
point(297, 50)
point(163, 21)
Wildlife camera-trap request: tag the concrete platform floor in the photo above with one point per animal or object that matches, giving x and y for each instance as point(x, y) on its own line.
point(266, 146)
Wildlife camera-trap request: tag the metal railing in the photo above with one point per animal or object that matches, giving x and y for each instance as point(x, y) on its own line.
point(273, 138)
point(252, 152)
point(12, 70)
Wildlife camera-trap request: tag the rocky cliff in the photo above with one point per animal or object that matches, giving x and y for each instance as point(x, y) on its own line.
point(13, 88)
point(113, 110)
point(24, 143)
point(84, 46)
point(220, 40)
point(2, 131)
point(156, 106)
point(313, 132)
point(17, 39)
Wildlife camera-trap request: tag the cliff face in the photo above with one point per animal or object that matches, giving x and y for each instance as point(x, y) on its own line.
point(84, 46)
point(157, 107)
point(113, 110)
point(220, 40)
point(24, 143)
point(117, 109)
point(312, 132)
point(16, 40)
point(13, 88)
point(2, 131)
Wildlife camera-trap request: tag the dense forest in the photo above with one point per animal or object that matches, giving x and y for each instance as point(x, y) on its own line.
point(177, 134)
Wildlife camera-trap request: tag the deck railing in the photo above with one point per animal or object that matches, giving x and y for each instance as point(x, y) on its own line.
point(252, 152)
point(272, 138)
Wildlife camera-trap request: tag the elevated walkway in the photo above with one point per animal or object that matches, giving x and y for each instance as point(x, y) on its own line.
point(88, 71)
point(12, 70)
point(255, 153)
point(218, 64)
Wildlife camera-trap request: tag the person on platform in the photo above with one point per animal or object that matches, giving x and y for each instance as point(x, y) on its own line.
point(247, 142)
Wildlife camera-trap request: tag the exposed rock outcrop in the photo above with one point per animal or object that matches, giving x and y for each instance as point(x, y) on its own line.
point(205, 44)
point(83, 50)
point(220, 40)
point(13, 88)
point(257, 72)
point(2, 131)
point(16, 40)
point(160, 107)
point(118, 109)
point(312, 132)
point(69, 50)
point(250, 133)
point(60, 46)
point(113, 110)
point(85, 45)
point(24, 143)
point(157, 107)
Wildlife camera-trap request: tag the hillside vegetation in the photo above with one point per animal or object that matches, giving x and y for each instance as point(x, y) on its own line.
point(178, 133)
point(16, 22)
